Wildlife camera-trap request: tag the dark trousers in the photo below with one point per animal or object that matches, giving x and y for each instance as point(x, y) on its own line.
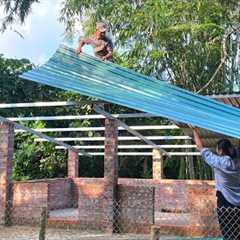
point(228, 218)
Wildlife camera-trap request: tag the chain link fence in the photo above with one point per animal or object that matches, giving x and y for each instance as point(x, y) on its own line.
point(210, 223)
point(26, 218)
point(133, 216)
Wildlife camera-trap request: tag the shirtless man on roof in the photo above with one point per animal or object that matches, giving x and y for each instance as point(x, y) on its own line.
point(102, 45)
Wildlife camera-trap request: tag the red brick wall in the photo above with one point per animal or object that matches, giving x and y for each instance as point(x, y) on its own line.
point(137, 200)
point(60, 193)
point(177, 194)
point(135, 212)
point(30, 197)
point(93, 202)
point(180, 199)
point(28, 200)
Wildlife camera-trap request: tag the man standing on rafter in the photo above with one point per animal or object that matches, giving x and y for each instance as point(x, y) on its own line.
point(102, 45)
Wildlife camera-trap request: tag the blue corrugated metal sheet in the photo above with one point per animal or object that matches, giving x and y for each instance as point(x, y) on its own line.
point(88, 76)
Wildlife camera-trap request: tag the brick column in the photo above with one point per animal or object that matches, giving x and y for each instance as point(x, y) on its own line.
point(73, 158)
point(111, 171)
point(111, 150)
point(6, 156)
point(157, 164)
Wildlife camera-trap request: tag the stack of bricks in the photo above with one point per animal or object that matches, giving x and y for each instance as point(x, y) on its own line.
point(6, 155)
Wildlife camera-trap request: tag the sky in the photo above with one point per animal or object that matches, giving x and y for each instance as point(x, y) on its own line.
point(42, 34)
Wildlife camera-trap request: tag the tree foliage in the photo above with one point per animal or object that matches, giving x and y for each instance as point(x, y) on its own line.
point(15, 10)
point(36, 160)
point(181, 40)
point(32, 159)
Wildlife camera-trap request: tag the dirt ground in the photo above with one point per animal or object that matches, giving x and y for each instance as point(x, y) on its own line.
point(30, 233)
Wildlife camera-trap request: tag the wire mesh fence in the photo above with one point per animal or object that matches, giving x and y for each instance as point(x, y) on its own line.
point(29, 217)
point(212, 223)
point(134, 215)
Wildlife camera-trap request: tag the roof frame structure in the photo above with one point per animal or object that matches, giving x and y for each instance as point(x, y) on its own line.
point(43, 136)
point(132, 131)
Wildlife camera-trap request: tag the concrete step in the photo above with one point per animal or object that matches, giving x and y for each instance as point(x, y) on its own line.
point(64, 218)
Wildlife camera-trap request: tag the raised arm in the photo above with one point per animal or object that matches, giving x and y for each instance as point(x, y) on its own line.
point(210, 158)
point(82, 43)
point(197, 139)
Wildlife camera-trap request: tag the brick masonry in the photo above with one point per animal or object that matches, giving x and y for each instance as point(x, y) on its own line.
point(111, 151)
point(110, 172)
point(6, 155)
point(60, 194)
point(31, 196)
point(93, 202)
point(157, 164)
point(73, 158)
point(28, 200)
point(103, 203)
point(139, 201)
point(176, 194)
point(175, 200)
point(135, 212)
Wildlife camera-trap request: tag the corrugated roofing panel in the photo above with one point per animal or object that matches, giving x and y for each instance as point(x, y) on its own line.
point(89, 76)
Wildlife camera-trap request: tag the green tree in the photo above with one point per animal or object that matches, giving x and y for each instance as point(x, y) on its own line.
point(32, 159)
point(183, 40)
point(15, 10)
point(187, 42)
point(36, 160)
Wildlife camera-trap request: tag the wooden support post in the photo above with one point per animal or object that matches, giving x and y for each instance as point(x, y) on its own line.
point(73, 158)
point(157, 164)
point(6, 156)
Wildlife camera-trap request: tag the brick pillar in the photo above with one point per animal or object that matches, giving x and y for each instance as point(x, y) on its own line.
point(73, 158)
point(6, 156)
point(111, 150)
point(111, 171)
point(157, 164)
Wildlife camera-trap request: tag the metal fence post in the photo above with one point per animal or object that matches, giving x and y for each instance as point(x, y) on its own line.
point(43, 224)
